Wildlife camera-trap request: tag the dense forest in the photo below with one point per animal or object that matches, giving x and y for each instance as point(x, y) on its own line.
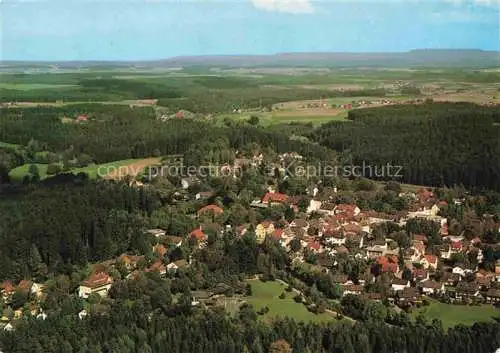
point(436, 144)
point(120, 132)
point(127, 329)
point(69, 224)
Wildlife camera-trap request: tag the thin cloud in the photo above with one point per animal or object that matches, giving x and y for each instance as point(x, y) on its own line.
point(287, 6)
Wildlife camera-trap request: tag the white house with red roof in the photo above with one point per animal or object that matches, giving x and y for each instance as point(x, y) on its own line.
point(271, 198)
point(348, 210)
point(200, 236)
point(456, 247)
point(99, 283)
point(429, 261)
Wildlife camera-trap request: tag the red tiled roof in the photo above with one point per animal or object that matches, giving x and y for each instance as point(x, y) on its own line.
point(278, 233)
point(431, 259)
point(274, 197)
point(352, 228)
point(179, 114)
point(7, 286)
point(157, 266)
point(161, 250)
point(25, 285)
point(211, 208)
point(389, 263)
point(314, 245)
point(420, 273)
point(198, 234)
point(456, 245)
point(98, 280)
point(424, 194)
point(421, 237)
point(345, 208)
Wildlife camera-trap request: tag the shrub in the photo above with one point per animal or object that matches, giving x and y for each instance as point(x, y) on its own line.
point(248, 289)
point(53, 169)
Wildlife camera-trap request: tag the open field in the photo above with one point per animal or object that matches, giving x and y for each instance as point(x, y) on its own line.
point(452, 315)
point(112, 170)
point(297, 118)
point(30, 86)
point(9, 146)
point(267, 294)
point(207, 90)
point(130, 169)
point(17, 174)
point(132, 102)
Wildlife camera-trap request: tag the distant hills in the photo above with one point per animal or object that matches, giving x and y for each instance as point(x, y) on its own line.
point(423, 57)
point(415, 58)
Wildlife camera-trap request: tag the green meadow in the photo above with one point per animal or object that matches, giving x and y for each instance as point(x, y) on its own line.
point(17, 174)
point(452, 315)
point(267, 294)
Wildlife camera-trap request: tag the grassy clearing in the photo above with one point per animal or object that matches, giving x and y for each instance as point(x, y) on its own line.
point(114, 169)
point(9, 146)
point(276, 118)
point(452, 315)
point(30, 86)
point(17, 174)
point(315, 120)
point(267, 294)
point(104, 169)
point(411, 187)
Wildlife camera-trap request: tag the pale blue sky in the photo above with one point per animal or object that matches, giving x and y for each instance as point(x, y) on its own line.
point(153, 29)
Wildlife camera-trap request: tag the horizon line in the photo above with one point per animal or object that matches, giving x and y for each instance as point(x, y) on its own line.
point(189, 56)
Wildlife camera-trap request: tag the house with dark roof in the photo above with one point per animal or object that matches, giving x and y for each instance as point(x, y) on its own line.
point(431, 287)
point(493, 295)
point(420, 274)
point(399, 284)
point(466, 290)
point(354, 289)
point(408, 296)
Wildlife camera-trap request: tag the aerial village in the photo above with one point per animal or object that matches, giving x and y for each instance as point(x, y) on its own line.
point(408, 255)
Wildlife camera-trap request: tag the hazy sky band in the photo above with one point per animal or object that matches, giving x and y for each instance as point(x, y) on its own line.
point(153, 29)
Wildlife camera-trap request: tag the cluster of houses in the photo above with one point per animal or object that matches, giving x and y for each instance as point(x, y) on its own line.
point(27, 288)
point(345, 229)
point(325, 230)
point(328, 229)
